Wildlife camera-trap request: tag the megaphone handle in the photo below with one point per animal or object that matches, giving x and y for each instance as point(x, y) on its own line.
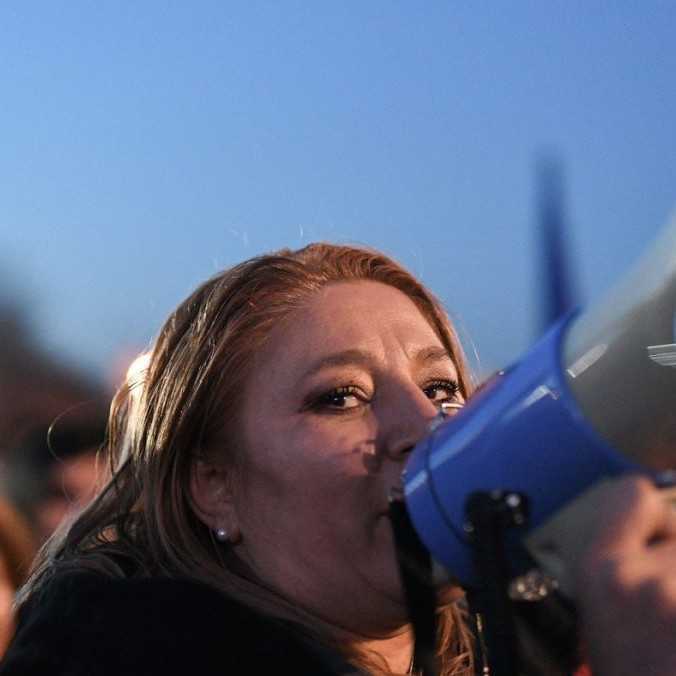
point(489, 515)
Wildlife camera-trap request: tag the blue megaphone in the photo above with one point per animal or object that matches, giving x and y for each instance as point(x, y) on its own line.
point(594, 398)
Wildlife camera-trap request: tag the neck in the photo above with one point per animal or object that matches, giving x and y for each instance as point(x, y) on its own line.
point(394, 645)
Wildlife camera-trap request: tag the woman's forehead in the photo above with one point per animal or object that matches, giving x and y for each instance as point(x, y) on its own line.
point(351, 317)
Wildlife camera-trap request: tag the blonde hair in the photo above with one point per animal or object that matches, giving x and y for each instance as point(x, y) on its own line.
point(187, 402)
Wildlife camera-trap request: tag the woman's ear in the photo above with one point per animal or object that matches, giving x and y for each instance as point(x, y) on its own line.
point(212, 499)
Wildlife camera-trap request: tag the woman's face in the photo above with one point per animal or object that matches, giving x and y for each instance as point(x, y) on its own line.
point(343, 389)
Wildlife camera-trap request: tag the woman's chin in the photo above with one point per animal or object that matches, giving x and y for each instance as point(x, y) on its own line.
point(388, 576)
point(392, 585)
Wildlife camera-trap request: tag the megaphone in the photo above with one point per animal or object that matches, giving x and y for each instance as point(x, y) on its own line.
point(594, 398)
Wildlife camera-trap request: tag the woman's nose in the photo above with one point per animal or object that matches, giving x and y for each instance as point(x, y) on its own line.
point(406, 424)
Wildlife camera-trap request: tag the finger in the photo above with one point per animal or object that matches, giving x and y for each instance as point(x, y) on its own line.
point(633, 513)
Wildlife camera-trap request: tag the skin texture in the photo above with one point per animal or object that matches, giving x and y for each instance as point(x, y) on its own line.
point(624, 579)
point(307, 512)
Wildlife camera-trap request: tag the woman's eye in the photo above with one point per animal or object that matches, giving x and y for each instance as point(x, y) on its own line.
point(440, 391)
point(341, 399)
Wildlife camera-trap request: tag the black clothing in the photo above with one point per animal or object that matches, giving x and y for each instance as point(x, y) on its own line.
point(84, 624)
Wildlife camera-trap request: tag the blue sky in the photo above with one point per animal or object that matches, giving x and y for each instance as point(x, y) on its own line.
point(147, 145)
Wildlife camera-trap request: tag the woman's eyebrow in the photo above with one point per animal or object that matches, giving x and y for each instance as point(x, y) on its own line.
point(431, 354)
point(356, 357)
point(344, 358)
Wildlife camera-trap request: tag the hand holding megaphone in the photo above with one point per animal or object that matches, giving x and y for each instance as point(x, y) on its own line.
point(614, 550)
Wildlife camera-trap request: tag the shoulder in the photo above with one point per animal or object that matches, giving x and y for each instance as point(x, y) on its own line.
point(83, 623)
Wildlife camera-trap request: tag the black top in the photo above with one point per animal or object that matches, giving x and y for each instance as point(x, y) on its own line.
point(84, 624)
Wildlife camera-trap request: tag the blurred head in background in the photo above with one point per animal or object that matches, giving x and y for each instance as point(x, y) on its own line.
point(52, 473)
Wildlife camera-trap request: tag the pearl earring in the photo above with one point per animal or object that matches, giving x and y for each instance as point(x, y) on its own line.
point(221, 535)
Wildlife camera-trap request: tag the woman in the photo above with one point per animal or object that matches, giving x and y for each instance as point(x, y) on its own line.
point(244, 526)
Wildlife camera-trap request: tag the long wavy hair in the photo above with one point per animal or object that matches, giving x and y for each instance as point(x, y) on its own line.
point(185, 403)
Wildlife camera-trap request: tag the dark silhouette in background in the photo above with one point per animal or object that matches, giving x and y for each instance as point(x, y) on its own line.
point(52, 421)
point(556, 280)
point(35, 386)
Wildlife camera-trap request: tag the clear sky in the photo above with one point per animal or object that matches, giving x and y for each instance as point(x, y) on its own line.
point(145, 145)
